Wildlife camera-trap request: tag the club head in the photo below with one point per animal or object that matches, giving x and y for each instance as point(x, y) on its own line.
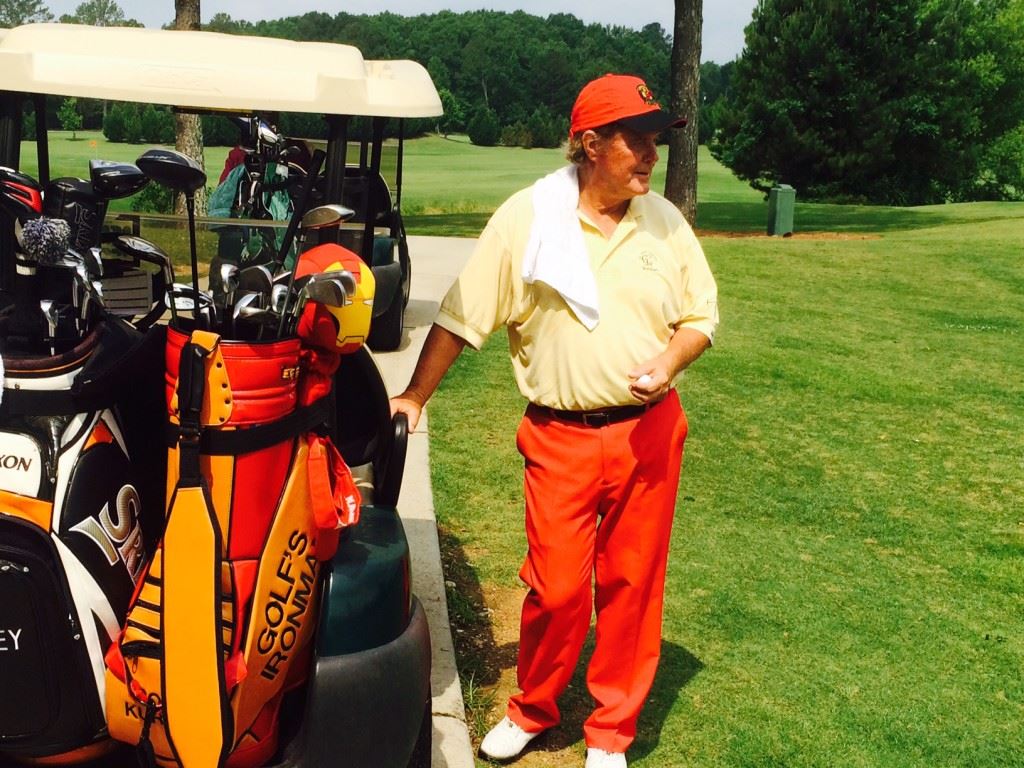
point(279, 298)
point(49, 310)
point(256, 278)
point(113, 180)
point(326, 216)
point(329, 291)
point(172, 170)
point(258, 315)
point(91, 293)
point(245, 300)
point(184, 298)
point(343, 276)
point(143, 250)
point(229, 277)
point(267, 135)
point(95, 262)
point(73, 260)
point(140, 248)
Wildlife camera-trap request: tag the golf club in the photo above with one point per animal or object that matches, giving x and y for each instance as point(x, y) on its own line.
point(179, 173)
point(317, 218)
point(245, 300)
point(141, 249)
point(331, 289)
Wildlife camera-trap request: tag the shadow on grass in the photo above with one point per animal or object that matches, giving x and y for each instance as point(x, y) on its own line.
point(476, 654)
point(675, 671)
point(479, 658)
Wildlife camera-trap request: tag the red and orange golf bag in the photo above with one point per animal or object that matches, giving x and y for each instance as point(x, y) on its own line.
point(220, 627)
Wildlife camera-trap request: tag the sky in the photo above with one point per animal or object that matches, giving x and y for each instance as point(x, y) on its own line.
point(722, 34)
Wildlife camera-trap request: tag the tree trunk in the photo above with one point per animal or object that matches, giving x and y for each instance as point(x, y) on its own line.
point(681, 177)
point(187, 128)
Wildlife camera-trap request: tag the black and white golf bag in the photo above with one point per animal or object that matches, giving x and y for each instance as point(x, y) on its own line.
point(81, 497)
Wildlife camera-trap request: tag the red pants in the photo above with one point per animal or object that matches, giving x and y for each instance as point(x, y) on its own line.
point(599, 503)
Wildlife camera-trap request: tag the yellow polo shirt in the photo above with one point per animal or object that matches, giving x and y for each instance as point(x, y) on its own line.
point(652, 278)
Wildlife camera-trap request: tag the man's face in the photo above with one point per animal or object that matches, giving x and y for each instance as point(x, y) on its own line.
point(624, 161)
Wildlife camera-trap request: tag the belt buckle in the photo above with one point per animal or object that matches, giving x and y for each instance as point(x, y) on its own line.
point(599, 419)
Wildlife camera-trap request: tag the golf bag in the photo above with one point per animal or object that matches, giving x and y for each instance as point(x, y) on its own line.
point(221, 625)
point(78, 479)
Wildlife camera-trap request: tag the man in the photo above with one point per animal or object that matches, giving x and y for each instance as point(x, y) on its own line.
point(606, 297)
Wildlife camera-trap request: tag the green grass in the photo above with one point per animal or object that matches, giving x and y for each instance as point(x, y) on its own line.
point(847, 561)
point(848, 555)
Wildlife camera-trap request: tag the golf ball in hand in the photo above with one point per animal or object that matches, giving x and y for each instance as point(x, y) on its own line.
point(644, 380)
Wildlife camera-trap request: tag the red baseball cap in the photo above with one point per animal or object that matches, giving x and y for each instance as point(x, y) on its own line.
point(620, 99)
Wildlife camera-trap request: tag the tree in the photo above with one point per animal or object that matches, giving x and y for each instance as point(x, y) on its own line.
point(714, 88)
point(483, 128)
point(222, 22)
point(855, 100)
point(454, 118)
point(681, 176)
point(14, 13)
point(546, 130)
point(99, 13)
point(115, 123)
point(188, 129)
point(69, 117)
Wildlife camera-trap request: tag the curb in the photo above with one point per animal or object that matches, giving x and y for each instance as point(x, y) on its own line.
point(435, 263)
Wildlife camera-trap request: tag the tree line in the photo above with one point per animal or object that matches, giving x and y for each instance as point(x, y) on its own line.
point(503, 78)
point(882, 101)
point(508, 78)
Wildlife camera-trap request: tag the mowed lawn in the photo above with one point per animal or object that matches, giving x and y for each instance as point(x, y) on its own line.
point(845, 581)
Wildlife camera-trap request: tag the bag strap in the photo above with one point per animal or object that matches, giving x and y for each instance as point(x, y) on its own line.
point(191, 387)
point(197, 714)
point(234, 442)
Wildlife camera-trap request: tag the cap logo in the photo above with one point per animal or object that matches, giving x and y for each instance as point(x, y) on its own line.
point(645, 94)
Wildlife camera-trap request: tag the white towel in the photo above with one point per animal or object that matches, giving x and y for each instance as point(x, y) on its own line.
point(555, 253)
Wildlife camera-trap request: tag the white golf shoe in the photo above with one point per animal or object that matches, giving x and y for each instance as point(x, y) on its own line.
point(598, 758)
point(506, 740)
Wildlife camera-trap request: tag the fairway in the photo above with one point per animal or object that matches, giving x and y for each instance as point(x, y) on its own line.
point(847, 560)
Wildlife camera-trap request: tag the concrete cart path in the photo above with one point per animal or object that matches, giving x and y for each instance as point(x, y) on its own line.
point(435, 263)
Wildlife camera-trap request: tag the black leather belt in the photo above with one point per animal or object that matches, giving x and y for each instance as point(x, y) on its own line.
point(598, 418)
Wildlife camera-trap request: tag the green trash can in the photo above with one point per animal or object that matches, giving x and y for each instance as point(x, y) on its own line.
point(781, 202)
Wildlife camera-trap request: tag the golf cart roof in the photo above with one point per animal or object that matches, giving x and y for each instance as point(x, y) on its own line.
point(209, 70)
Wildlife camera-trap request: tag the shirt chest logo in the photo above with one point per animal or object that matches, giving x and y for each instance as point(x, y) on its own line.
point(648, 262)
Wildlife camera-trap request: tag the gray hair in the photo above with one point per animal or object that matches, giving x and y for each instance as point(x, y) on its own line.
point(574, 151)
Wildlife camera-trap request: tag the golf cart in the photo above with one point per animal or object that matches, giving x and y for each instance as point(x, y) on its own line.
point(89, 452)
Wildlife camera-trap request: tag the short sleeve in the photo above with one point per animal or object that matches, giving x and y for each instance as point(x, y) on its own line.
point(481, 298)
